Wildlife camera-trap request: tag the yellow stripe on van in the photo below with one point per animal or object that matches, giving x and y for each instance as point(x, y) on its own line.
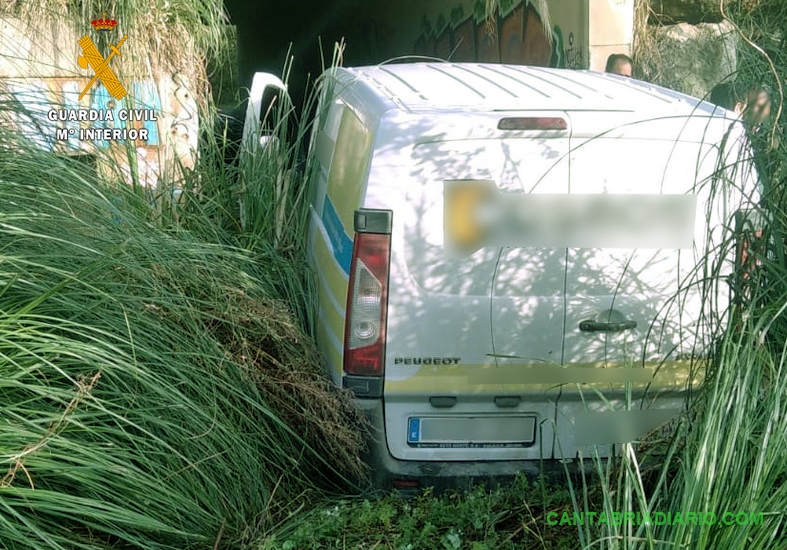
point(332, 318)
point(331, 281)
point(669, 376)
point(476, 379)
point(327, 346)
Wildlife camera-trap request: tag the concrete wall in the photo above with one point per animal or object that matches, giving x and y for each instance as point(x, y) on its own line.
point(690, 58)
point(458, 30)
point(570, 27)
point(23, 46)
point(42, 74)
point(610, 30)
point(377, 31)
point(402, 23)
point(584, 32)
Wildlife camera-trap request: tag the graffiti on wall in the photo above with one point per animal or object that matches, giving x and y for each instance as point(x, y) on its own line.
point(516, 36)
point(575, 56)
point(171, 131)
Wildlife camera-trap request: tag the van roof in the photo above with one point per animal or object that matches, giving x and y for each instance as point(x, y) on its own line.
point(443, 86)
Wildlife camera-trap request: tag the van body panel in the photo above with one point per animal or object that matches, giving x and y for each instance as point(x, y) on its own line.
point(658, 289)
point(331, 286)
point(476, 310)
point(341, 156)
point(634, 284)
point(515, 343)
point(346, 181)
point(574, 404)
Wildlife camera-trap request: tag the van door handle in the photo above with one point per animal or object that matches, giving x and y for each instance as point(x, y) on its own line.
point(596, 326)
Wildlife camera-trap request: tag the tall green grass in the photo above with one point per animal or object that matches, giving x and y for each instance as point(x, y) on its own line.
point(727, 453)
point(158, 385)
point(157, 389)
point(258, 199)
point(727, 456)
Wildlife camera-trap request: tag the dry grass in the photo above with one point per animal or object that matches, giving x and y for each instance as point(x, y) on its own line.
point(165, 37)
point(286, 366)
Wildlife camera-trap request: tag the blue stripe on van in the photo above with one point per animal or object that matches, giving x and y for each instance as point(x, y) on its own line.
point(340, 242)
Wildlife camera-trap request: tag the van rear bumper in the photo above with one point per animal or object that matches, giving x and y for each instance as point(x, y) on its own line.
point(442, 475)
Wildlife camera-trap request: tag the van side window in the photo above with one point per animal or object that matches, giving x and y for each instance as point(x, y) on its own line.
point(334, 119)
point(345, 185)
point(323, 145)
point(349, 166)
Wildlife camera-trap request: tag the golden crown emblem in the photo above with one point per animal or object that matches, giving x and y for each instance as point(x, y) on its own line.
point(104, 24)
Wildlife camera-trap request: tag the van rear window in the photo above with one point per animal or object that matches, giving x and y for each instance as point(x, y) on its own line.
point(349, 166)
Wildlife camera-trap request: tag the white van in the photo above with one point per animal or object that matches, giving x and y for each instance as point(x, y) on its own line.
point(481, 340)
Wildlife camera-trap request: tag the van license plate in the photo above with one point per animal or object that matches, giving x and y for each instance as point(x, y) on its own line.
point(471, 432)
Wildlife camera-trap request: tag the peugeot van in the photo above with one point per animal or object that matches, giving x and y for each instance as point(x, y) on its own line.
point(509, 259)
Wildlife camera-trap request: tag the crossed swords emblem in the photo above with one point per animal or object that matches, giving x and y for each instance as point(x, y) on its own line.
point(101, 67)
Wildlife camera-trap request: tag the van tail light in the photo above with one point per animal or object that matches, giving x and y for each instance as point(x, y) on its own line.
point(532, 123)
point(367, 298)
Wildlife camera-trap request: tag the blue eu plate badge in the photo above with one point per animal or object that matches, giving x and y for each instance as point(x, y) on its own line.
point(414, 430)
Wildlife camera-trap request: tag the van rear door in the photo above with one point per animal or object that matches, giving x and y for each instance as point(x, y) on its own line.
point(630, 307)
point(456, 324)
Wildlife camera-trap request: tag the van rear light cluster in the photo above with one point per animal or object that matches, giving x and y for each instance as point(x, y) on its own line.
point(367, 299)
point(532, 123)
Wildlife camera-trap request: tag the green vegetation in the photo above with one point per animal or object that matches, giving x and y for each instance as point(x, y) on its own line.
point(726, 455)
point(510, 517)
point(165, 36)
point(157, 389)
